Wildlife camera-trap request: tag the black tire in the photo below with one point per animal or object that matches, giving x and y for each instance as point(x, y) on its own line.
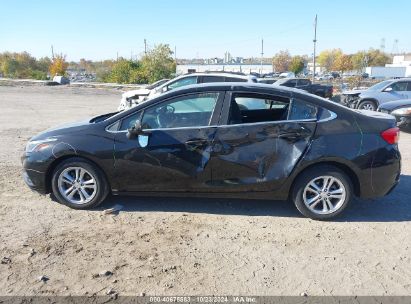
point(101, 185)
point(316, 172)
point(367, 103)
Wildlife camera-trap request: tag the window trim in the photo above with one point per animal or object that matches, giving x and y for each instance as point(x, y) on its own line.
point(225, 111)
point(215, 115)
point(223, 122)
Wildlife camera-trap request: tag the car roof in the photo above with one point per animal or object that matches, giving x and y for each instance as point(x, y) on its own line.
point(251, 87)
point(230, 86)
point(222, 73)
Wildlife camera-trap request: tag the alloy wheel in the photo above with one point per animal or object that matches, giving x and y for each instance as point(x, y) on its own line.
point(77, 185)
point(367, 106)
point(324, 195)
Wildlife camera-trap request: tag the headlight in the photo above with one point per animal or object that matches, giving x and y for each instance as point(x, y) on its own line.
point(402, 111)
point(37, 145)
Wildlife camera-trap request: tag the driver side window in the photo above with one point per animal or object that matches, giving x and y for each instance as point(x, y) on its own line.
point(184, 111)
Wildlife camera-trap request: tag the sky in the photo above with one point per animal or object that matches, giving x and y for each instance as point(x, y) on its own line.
point(101, 29)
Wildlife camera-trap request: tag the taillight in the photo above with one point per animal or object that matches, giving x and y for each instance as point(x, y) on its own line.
point(391, 135)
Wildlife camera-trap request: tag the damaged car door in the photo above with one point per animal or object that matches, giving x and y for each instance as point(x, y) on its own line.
point(173, 150)
point(259, 140)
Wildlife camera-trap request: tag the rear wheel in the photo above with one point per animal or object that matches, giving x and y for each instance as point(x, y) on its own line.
point(367, 105)
point(322, 192)
point(79, 184)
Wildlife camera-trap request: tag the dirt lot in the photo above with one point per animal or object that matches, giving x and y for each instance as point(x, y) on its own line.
point(185, 246)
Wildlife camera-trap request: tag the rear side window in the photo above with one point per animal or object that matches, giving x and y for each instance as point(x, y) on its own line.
point(300, 110)
point(233, 79)
point(212, 79)
point(290, 83)
point(399, 86)
point(250, 103)
point(254, 108)
point(183, 82)
point(303, 82)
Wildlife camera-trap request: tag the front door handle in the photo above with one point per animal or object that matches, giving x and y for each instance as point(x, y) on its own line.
point(290, 135)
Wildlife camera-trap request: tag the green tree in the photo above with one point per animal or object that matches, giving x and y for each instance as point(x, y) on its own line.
point(123, 71)
point(297, 64)
point(343, 63)
point(157, 64)
point(327, 58)
point(359, 60)
point(281, 61)
point(377, 58)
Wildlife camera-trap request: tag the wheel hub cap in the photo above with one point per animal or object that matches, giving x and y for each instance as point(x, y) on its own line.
point(77, 185)
point(324, 195)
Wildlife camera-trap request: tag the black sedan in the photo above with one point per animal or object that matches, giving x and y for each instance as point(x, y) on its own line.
point(400, 109)
point(222, 140)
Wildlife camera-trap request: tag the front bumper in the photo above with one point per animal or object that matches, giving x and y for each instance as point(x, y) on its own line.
point(34, 173)
point(349, 100)
point(35, 180)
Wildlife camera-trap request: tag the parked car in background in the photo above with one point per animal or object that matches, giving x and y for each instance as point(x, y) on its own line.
point(128, 102)
point(135, 96)
point(287, 75)
point(400, 109)
point(378, 94)
point(305, 84)
point(221, 139)
point(267, 80)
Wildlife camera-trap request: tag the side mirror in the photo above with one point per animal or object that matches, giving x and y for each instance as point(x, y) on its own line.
point(389, 89)
point(135, 130)
point(164, 89)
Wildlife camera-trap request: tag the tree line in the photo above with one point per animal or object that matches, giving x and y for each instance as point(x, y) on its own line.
point(156, 64)
point(331, 60)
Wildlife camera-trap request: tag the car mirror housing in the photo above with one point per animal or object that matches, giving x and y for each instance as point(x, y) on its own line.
point(135, 130)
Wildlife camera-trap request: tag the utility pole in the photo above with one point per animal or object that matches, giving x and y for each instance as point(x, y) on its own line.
point(52, 52)
point(262, 56)
point(175, 56)
point(315, 42)
point(145, 47)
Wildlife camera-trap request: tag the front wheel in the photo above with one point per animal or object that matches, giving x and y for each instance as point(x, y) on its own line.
point(367, 105)
point(79, 184)
point(322, 192)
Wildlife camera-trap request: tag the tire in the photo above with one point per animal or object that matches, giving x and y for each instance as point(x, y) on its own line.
point(90, 181)
point(367, 105)
point(320, 209)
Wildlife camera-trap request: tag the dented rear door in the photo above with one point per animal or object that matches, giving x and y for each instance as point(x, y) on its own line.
point(258, 156)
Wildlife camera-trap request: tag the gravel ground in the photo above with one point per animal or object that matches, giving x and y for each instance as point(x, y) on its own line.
point(184, 246)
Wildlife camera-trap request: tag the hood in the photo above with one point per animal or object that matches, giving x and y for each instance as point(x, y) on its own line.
point(353, 92)
point(63, 129)
point(391, 105)
point(139, 92)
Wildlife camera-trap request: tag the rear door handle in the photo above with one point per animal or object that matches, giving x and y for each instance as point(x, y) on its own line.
point(195, 143)
point(290, 135)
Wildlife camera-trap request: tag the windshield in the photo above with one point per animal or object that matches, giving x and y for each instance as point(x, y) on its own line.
point(380, 85)
point(156, 84)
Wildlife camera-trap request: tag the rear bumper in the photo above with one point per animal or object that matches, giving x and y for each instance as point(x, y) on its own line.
point(384, 174)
